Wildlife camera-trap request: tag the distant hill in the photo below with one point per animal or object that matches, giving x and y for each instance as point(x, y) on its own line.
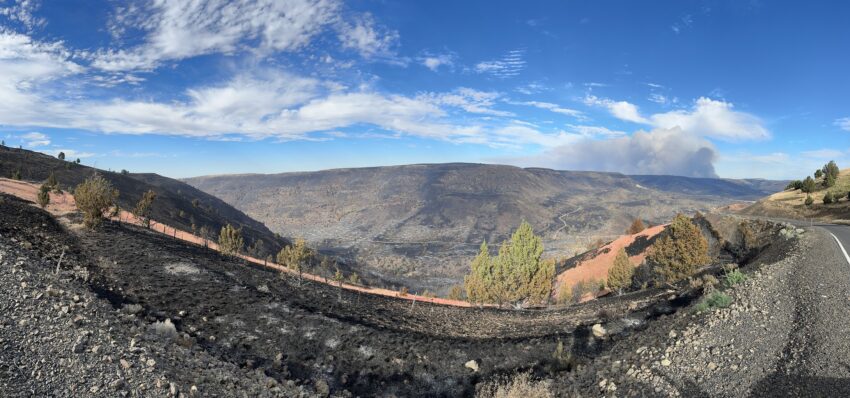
point(790, 203)
point(177, 203)
point(418, 225)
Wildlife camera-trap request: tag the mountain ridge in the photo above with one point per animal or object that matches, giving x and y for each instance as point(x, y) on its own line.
point(418, 225)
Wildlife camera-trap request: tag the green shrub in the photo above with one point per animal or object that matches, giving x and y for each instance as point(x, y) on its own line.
point(43, 196)
point(828, 198)
point(809, 200)
point(735, 277)
point(809, 185)
point(818, 173)
point(794, 185)
point(230, 241)
point(713, 301)
point(680, 251)
point(621, 272)
point(94, 196)
point(516, 275)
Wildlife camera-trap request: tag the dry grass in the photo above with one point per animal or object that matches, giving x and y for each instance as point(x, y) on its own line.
point(796, 197)
point(520, 385)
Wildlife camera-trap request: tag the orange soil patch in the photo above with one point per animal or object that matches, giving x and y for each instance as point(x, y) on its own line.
point(61, 204)
point(596, 269)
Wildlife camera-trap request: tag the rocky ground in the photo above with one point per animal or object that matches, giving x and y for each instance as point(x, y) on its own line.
point(58, 338)
point(781, 336)
point(134, 313)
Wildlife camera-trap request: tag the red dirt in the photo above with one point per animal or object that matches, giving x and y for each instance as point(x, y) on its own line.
point(63, 203)
point(596, 268)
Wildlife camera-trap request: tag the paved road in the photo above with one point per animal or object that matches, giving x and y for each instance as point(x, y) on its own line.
point(816, 359)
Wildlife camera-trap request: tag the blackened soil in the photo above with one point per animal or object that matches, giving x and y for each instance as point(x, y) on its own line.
point(323, 337)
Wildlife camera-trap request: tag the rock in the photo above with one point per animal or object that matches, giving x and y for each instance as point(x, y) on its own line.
point(322, 388)
point(665, 362)
point(193, 391)
point(80, 344)
point(124, 364)
point(172, 389)
point(598, 331)
point(472, 364)
point(117, 385)
point(151, 363)
point(672, 334)
point(712, 366)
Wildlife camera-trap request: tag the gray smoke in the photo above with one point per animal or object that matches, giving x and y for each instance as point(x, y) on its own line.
point(660, 151)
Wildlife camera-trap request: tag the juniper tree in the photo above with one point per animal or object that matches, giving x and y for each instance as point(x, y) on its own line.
point(94, 197)
point(294, 256)
point(828, 198)
point(680, 250)
point(480, 277)
point(808, 185)
point(43, 196)
point(142, 211)
point(230, 241)
point(620, 274)
point(61, 156)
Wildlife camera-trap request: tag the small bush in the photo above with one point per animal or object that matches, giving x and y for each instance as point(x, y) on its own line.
point(713, 301)
point(402, 292)
point(565, 295)
point(165, 329)
point(143, 208)
point(636, 227)
point(94, 197)
point(809, 200)
point(230, 240)
point(354, 279)
point(735, 277)
point(16, 174)
point(43, 196)
point(456, 293)
point(828, 198)
point(520, 386)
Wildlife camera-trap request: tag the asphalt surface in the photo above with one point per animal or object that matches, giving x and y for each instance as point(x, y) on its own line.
point(815, 361)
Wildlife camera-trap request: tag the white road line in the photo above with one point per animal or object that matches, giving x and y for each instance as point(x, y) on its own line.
point(846, 257)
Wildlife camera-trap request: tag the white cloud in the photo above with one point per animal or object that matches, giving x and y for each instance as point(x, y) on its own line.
point(708, 118)
point(21, 11)
point(660, 151)
point(510, 65)
point(364, 36)
point(434, 62)
point(70, 154)
point(176, 30)
point(35, 139)
point(824, 154)
point(716, 119)
point(470, 100)
point(553, 107)
point(620, 109)
point(843, 123)
point(596, 131)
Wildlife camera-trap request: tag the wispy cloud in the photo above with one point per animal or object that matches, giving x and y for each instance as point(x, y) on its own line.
point(510, 65)
point(35, 139)
point(553, 107)
point(843, 123)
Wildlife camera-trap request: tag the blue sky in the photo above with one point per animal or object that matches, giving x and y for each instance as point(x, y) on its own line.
point(714, 88)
